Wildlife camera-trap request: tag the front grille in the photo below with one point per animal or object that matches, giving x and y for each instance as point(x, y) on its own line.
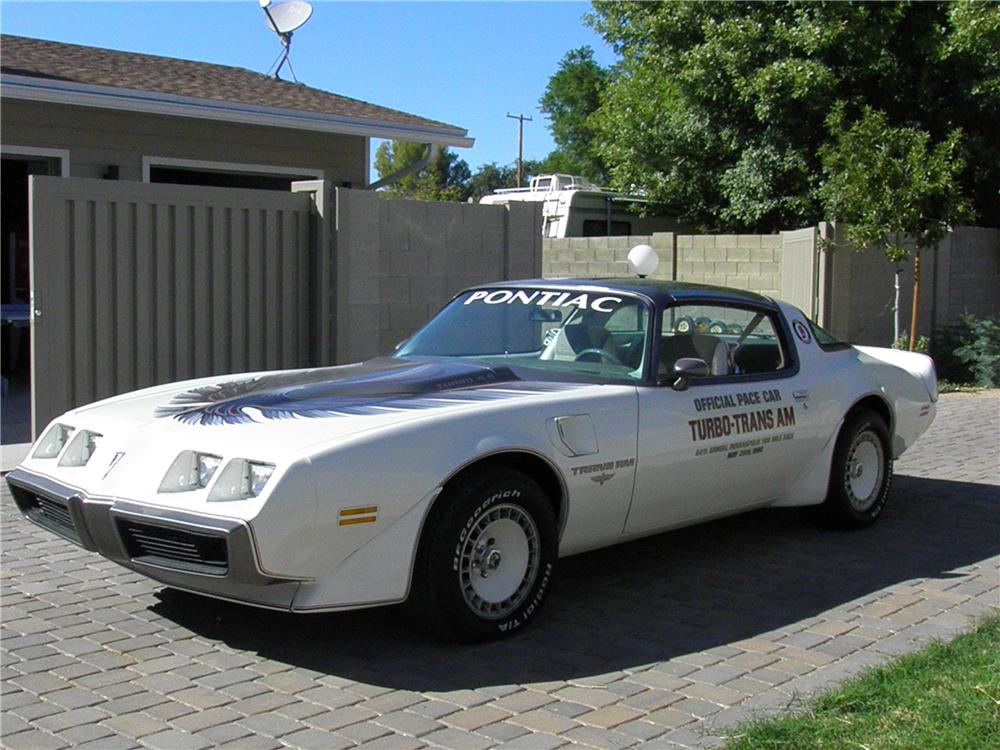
point(56, 511)
point(48, 512)
point(175, 548)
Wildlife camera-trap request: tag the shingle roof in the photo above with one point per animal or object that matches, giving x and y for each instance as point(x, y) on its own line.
point(39, 58)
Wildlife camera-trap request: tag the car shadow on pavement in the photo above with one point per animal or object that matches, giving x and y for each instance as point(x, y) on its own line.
point(646, 601)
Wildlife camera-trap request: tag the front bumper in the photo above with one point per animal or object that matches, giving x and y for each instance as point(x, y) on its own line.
point(204, 554)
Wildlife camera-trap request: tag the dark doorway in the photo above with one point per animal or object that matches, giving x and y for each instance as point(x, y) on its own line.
point(15, 294)
point(182, 176)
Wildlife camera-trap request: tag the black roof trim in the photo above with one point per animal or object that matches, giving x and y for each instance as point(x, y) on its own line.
point(662, 293)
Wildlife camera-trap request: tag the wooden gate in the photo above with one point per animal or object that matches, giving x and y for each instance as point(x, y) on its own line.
point(136, 284)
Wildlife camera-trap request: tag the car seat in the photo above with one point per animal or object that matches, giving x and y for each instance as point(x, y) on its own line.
point(699, 346)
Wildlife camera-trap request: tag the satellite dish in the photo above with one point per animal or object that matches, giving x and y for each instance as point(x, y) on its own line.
point(643, 260)
point(283, 18)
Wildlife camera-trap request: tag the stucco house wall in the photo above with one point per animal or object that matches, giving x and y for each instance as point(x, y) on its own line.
point(97, 138)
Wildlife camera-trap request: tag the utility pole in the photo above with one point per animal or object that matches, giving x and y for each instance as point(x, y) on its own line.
point(520, 142)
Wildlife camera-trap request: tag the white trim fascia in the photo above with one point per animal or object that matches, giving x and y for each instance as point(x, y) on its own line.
point(62, 154)
point(54, 91)
point(148, 162)
point(368, 162)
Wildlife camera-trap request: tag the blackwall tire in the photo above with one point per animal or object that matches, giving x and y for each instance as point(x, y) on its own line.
point(486, 558)
point(860, 474)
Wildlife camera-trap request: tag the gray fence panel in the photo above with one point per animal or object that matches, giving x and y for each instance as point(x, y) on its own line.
point(138, 284)
point(799, 269)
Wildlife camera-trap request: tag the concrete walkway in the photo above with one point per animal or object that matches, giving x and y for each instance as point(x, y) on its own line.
point(664, 642)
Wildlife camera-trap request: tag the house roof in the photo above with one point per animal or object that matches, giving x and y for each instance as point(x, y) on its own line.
point(94, 76)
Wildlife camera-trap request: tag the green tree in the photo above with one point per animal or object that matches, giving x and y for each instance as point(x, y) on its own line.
point(888, 182)
point(444, 179)
point(720, 108)
point(491, 177)
point(572, 95)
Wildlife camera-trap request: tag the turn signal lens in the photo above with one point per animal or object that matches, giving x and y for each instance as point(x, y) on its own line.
point(240, 480)
point(52, 441)
point(190, 471)
point(80, 449)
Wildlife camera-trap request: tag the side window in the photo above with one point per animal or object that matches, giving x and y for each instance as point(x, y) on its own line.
point(732, 340)
point(826, 340)
point(600, 228)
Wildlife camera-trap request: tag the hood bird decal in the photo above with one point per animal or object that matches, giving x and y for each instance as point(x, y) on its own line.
point(374, 387)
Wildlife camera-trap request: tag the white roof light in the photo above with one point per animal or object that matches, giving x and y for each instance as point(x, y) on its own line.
point(643, 260)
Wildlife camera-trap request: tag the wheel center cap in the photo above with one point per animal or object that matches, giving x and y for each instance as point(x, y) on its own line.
point(858, 471)
point(493, 560)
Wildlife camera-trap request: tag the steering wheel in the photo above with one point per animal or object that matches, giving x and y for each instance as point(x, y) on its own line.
point(601, 353)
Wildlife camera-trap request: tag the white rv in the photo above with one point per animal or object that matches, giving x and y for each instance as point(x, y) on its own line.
point(575, 207)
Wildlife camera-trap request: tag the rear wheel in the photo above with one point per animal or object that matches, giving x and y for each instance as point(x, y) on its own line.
point(486, 558)
point(861, 472)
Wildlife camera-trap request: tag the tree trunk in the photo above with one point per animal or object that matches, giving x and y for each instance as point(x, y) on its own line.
point(916, 296)
point(895, 305)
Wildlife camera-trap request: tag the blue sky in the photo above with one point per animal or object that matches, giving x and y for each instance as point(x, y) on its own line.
point(464, 63)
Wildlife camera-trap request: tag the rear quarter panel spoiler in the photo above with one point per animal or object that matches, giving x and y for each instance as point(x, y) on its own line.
point(920, 366)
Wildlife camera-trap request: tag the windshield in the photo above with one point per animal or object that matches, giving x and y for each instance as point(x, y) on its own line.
point(570, 331)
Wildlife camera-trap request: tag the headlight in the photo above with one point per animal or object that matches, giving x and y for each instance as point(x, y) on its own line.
point(240, 480)
point(190, 471)
point(80, 449)
point(53, 441)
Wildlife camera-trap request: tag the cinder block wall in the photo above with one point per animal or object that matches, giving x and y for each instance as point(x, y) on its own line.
point(745, 261)
point(398, 261)
point(961, 276)
point(575, 257)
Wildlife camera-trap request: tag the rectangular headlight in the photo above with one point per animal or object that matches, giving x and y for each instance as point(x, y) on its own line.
point(240, 480)
point(190, 471)
point(80, 448)
point(53, 441)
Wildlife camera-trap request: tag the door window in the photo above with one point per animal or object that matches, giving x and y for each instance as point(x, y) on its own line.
point(732, 340)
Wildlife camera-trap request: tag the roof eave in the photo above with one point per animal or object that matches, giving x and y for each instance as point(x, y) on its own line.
point(132, 100)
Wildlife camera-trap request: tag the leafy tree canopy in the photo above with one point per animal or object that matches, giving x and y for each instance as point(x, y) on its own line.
point(887, 182)
point(573, 94)
point(448, 177)
point(444, 179)
point(721, 108)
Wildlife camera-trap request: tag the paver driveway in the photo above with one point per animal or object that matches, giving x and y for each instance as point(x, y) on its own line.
point(665, 641)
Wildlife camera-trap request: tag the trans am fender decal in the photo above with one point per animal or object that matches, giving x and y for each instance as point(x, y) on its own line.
point(372, 388)
point(741, 423)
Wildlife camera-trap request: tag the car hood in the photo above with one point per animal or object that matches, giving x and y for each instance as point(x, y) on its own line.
point(289, 410)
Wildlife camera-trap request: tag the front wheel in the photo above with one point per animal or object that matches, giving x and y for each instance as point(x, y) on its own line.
point(861, 472)
point(486, 558)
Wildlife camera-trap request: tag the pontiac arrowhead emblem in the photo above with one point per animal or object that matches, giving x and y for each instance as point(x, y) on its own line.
point(114, 462)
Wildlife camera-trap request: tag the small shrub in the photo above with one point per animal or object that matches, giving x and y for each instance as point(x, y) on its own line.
point(979, 350)
point(923, 344)
point(942, 350)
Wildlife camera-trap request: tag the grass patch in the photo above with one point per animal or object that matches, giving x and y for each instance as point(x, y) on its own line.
point(944, 697)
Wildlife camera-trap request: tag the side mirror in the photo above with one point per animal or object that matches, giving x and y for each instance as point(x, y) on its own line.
point(687, 368)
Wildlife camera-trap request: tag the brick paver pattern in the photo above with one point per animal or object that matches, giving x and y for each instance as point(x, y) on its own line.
point(662, 643)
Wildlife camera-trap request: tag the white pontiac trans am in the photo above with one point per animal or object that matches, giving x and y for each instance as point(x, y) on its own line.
point(527, 421)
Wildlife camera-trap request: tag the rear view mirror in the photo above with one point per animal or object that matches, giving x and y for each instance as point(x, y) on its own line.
point(542, 315)
point(686, 368)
